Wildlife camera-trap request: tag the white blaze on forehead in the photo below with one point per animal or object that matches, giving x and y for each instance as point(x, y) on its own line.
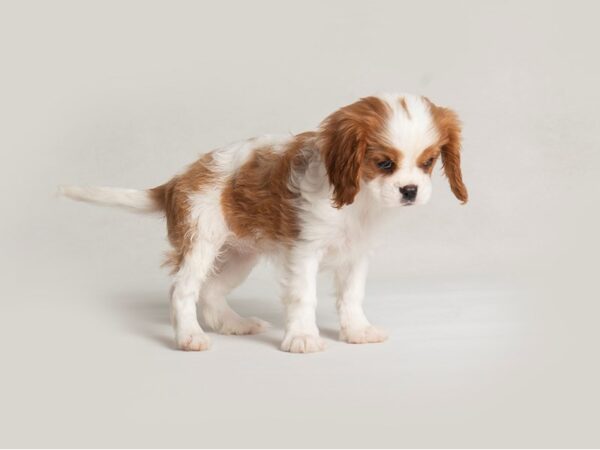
point(412, 130)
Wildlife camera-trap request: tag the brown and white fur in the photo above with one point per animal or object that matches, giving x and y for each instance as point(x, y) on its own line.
point(310, 201)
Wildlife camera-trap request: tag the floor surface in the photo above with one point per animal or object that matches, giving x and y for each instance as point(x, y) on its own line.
point(467, 363)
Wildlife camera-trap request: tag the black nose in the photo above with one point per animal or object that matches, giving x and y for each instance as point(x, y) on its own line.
point(409, 192)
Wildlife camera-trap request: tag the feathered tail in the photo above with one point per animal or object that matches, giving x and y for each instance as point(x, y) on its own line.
point(149, 200)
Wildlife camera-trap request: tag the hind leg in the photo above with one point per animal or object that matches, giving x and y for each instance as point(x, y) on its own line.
point(232, 269)
point(194, 270)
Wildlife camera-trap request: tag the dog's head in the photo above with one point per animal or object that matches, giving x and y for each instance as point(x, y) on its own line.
point(389, 145)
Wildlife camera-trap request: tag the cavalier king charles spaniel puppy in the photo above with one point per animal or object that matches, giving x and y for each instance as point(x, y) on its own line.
point(309, 201)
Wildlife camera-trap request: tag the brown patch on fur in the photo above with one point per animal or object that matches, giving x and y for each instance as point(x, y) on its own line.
point(374, 156)
point(449, 127)
point(257, 200)
point(173, 197)
point(405, 107)
point(428, 153)
point(345, 137)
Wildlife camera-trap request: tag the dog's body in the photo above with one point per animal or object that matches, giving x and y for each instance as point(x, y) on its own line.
point(309, 201)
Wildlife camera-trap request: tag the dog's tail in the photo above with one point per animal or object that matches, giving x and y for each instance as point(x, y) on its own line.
point(149, 200)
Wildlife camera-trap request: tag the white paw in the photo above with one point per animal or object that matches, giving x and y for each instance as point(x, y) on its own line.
point(364, 335)
point(302, 343)
point(193, 341)
point(243, 325)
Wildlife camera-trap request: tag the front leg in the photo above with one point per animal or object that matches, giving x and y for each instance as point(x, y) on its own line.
point(300, 300)
point(350, 280)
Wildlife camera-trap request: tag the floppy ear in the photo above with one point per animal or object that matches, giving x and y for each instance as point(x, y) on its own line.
point(343, 146)
point(449, 126)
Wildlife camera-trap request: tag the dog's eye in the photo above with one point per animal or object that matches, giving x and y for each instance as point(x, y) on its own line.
point(429, 162)
point(386, 165)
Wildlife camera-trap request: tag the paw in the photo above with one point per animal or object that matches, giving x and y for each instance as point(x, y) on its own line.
point(193, 341)
point(243, 325)
point(364, 335)
point(302, 343)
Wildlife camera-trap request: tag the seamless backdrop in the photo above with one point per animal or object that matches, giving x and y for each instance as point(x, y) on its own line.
point(492, 306)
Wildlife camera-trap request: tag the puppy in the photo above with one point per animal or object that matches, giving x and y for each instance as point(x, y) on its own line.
point(309, 201)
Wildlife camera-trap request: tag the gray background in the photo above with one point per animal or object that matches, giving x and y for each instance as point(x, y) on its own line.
point(492, 306)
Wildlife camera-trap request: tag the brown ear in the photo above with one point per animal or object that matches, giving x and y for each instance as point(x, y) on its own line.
point(343, 152)
point(450, 129)
point(343, 140)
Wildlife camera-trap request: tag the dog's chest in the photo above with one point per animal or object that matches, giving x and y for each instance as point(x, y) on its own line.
point(350, 240)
